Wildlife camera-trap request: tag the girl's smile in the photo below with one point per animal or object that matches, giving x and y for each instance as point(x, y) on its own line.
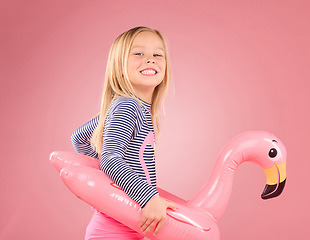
point(148, 72)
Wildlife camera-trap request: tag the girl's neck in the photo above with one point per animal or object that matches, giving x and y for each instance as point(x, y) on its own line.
point(145, 96)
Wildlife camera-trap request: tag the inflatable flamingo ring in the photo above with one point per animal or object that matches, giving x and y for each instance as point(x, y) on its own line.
point(193, 219)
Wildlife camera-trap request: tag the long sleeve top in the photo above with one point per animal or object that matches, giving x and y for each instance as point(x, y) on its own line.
point(128, 151)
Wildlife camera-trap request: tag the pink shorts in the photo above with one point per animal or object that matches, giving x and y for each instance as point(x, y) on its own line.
point(103, 227)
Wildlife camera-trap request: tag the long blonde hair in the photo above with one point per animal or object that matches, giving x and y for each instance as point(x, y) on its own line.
point(117, 82)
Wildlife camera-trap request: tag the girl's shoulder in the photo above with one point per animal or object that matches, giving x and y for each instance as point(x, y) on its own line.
point(125, 103)
point(124, 99)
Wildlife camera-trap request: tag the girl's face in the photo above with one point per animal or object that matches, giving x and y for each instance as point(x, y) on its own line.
point(146, 64)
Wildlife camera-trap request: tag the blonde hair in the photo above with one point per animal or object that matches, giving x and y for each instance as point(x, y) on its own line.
point(117, 82)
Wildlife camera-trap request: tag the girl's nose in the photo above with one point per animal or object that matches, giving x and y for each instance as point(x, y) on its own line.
point(150, 61)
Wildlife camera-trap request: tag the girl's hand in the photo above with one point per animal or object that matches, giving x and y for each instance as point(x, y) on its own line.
point(154, 214)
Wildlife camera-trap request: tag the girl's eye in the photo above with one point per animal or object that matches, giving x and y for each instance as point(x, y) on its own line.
point(139, 54)
point(157, 55)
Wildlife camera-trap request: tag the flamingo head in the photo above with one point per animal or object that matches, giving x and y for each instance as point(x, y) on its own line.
point(269, 152)
point(276, 172)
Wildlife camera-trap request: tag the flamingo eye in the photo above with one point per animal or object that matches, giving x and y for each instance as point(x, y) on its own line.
point(273, 153)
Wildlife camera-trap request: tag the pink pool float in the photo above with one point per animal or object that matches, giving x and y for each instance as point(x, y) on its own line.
point(193, 219)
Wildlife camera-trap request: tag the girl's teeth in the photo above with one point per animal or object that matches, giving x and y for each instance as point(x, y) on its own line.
point(148, 72)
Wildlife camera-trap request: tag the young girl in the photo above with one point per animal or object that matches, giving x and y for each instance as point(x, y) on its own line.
point(122, 134)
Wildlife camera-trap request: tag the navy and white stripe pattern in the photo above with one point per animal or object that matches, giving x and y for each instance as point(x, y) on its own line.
point(128, 125)
point(81, 138)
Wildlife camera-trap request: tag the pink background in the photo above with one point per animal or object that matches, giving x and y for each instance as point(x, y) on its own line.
point(237, 66)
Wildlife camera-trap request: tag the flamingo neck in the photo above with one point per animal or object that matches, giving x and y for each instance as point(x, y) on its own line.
point(215, 194)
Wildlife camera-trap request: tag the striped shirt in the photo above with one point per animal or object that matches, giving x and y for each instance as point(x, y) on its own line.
point(128, 151)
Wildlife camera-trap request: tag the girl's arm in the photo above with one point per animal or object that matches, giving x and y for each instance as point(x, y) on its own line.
point(117, 134)
point(119, 129)
point(81, 138)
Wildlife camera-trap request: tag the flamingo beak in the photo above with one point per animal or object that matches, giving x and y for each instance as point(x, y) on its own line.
point(276, 177)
